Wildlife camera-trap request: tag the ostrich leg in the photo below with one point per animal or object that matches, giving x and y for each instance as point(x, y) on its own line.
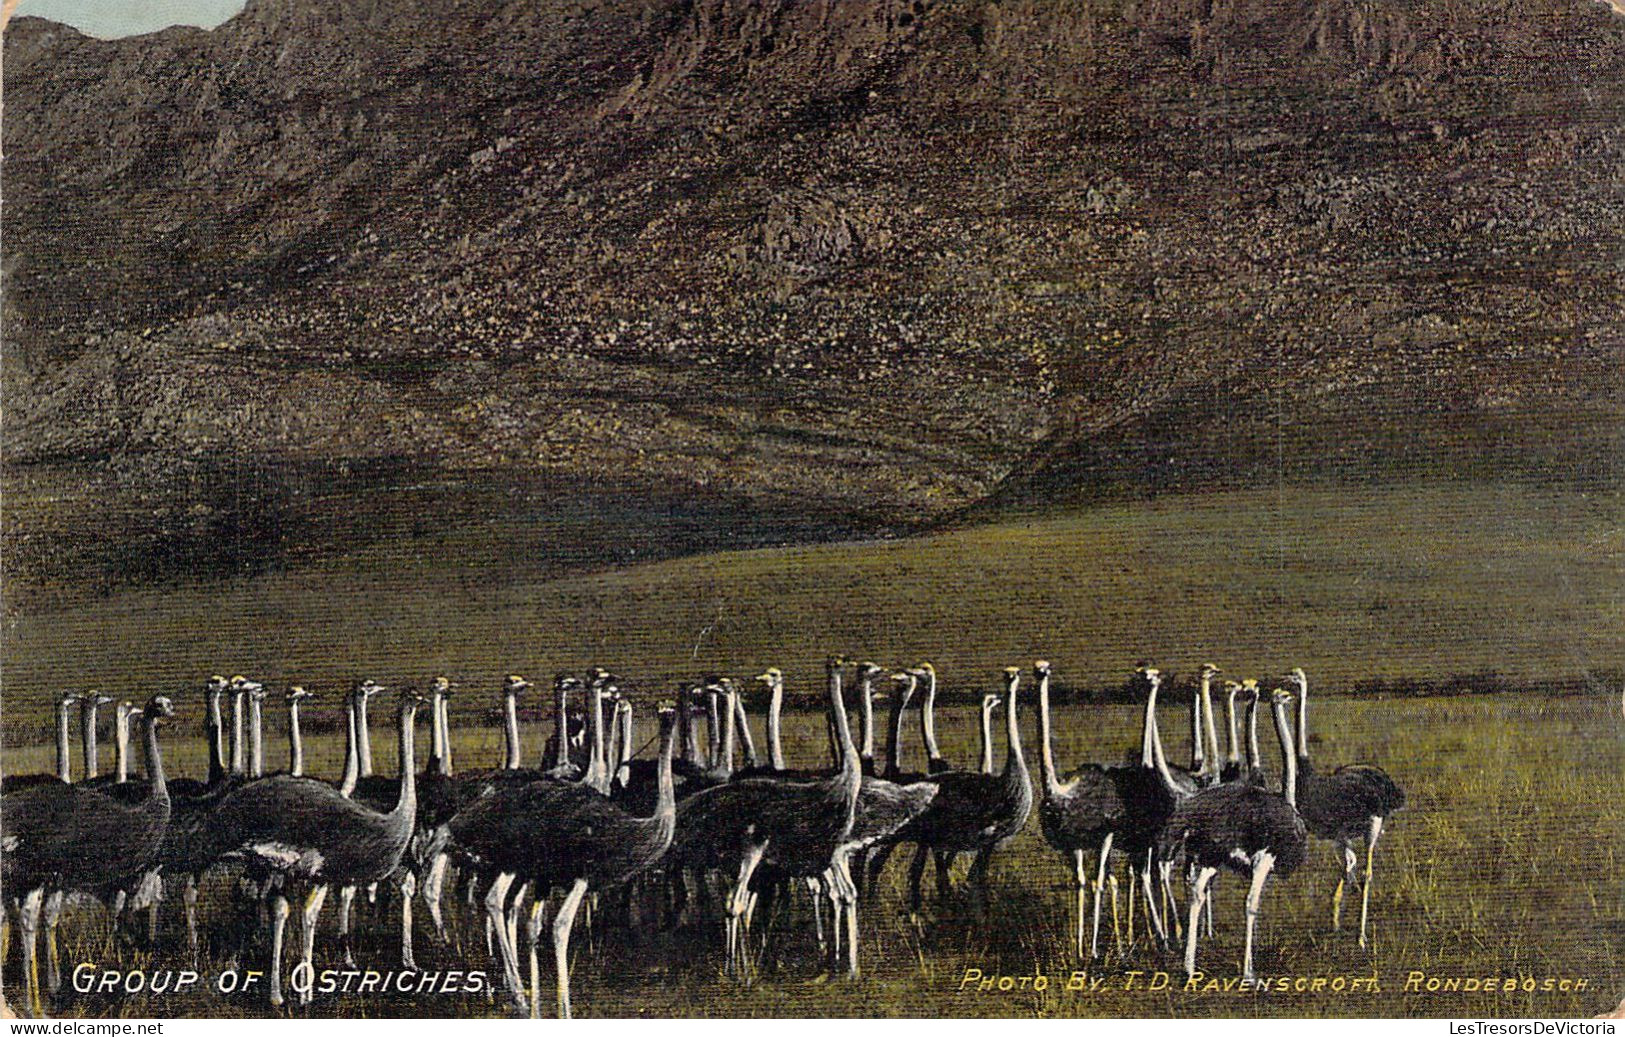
point(1080, 877)
point(533, 930)
point(1117, 932)
point(1199, 890)
point(279, 925)
point(1350, 862)
point(737, 898)
point(308, 918)
point(1100, 881)
point(53, 963)
point(346, 906)
point(189, 901)
point(409, 889)
point(495, 898)
point(916, 875)
point(28, 923)
point(561, 942)
point(1372, 834)
point(433, 884)
point(1262, 865)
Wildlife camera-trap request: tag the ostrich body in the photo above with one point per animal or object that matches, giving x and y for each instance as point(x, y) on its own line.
point(60, 837)
point(1349, 804)
point(556, 834)
point(1239, 827)
point(307, 832)
point(974, 812)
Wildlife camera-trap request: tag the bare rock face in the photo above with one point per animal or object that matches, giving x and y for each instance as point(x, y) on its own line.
point(831, 252)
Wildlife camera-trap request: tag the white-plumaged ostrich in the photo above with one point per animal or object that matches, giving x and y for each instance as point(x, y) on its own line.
point(61, 837)
point(314, 838)
point(1237, 826)
point(1349, 804)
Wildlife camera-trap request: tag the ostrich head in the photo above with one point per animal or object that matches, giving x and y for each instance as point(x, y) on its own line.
point(1210, 671)
point(1299, 679)
point(241, 685)
point(1012, 675)
point(833, 664)
point(368, 688)
point(90, 700)
point(1280, 697)
point(1041, 668)
point(158, 708)
point(868, 669)
point(1249, 688)
point(907, 681)
point(771, 676)
point(514, 685)
point(990, 702)
point(1231, 687)
point(441, 686)
point(925, 670)
point(215, 685)
point(67, 699)
point(296, 692)
point(566, 682)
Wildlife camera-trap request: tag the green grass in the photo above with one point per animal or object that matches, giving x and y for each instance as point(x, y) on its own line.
point(1422, 581)
point(1505, 863)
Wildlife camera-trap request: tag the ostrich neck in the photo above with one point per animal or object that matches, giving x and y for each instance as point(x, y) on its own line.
point(296, 743)
point(1208, 722)
point(1198, 761)
point(407, 802)
point(743, 720)
point(1289, 764)
point(713, 728)
point(1168, 783)
point(1046, 755)
point(510, 732)
point(1255, 759)
point(87, 729)
point(928, 718)
point(685, 726)
point(237, 754)
point(158, 792)
point(363, 737)
point(437, 741)
point(121, 746)
point(1303, 720)
point(851, 773)
point(1233, 748)
point(775, 743)
point(352, 762)
point(561, 727)
point(727, 761)
point(64, 735)
point(256, 745)
point(442, 720)
point(625, 754)
point(1147, 727)
point(596, 719)
point(987, 738)
point(866, 701)
point(894, 730)
point(216, 735)
point(665, 815)
point(1015, 765)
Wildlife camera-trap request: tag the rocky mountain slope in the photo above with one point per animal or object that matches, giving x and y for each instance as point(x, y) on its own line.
point(878, 259)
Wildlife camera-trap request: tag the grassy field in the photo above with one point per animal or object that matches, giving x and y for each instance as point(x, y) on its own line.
point(1506, 864)
point(1422, 581)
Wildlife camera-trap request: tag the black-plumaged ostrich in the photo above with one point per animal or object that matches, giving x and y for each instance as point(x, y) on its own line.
point(974, 812)
point(797, 828)
point(314, 838)
point(1349, 804)
point(557, 834)
point(1236, 826)
point(1098, 809)
point(61, 837)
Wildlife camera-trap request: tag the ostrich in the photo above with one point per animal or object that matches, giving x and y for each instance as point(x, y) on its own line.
point(66, 837)
point(89, 702)
point(306, 832)
point(990, 702)
point(1351, 803)
point(559, 834)
point(1242, 827)
point(1099, 809)
point(798, 828)
point(974, 812)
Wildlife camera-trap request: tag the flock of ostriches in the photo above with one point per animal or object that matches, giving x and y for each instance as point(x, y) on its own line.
point(653, 834)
